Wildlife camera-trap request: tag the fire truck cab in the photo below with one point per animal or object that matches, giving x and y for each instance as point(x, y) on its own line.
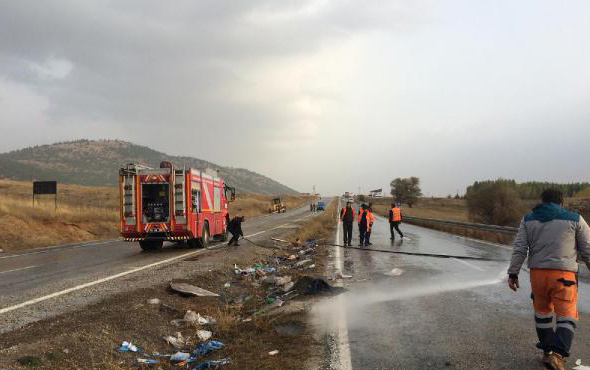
point(170, 204)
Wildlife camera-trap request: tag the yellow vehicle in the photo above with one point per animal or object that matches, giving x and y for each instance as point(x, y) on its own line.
point(277, 206)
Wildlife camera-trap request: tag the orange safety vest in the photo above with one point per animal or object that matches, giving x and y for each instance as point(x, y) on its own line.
point(370, 220)
point(360, 214)
point(343, 212)
point(396, 215)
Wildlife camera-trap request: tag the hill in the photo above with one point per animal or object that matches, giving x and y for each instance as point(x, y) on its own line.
point(96, 162)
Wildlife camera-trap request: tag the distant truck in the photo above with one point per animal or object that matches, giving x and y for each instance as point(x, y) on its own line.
point(321, 206)
point(277, 206)
point(172, 204)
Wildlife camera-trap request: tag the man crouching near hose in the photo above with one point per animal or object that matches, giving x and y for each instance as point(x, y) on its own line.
point(235, 228)
point(552, 237)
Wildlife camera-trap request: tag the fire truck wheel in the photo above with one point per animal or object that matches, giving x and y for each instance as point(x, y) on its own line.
point(204, 241)
point(150, 245)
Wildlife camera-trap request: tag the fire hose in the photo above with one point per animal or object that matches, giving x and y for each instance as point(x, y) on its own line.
point(433, 255)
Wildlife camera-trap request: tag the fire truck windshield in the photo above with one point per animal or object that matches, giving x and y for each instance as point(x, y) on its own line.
point(155, 202)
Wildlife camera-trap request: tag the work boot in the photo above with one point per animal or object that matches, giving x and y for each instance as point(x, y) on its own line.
point(546, 358)
point(556, 361)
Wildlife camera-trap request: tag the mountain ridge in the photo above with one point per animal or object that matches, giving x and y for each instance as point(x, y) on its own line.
point(96, 162)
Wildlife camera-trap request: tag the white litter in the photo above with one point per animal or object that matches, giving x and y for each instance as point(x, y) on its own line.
point(189, 289)
point(178, 341)
point(204, 335)
point(395, 272)
point(193, 317)
point(275, 352)
point(579, 365)
point(226, 285)
point(288, 286)
point(153, 301)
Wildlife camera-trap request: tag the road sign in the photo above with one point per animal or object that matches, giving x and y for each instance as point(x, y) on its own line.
point(45, 188)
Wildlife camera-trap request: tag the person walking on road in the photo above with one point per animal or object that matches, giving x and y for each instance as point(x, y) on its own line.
point(552, 238)
point(395, 218)
point(235, 228)
point(362, 223)
point(347, 218)
point(370, 219)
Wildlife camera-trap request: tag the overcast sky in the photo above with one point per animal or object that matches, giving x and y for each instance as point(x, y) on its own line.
point(340, 94)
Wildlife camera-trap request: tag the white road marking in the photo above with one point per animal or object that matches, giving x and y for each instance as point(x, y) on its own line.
point(468, 264)
point(57, 249)
point(341, 359)
point(258, 233)
point(20, 269)
point(109, 278)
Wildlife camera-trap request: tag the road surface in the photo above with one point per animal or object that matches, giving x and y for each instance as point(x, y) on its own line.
point(409, 312)
point(38, 283)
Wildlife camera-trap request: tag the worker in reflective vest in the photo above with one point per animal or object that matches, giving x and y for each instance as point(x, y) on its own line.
point(362, 224)
point(395, 218)
point(347, 218)
point(370, 222)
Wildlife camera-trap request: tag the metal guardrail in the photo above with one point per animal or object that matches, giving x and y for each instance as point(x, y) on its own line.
point(494, 228)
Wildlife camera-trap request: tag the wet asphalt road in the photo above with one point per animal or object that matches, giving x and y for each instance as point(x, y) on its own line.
point(28, 275)
point(432, 313)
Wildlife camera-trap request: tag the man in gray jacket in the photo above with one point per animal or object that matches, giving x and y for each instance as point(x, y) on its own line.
point(552, 238)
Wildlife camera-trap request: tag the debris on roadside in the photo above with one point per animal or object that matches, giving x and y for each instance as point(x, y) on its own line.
point(275, 352)
point(127, 347)
point(211, 364)
point(177, 341)
point(192, 317)
point(153, 301)
point(308, 285)
point(188, 289)
point(204, 335)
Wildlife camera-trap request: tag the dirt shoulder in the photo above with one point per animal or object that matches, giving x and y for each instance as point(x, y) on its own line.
point(248, 323)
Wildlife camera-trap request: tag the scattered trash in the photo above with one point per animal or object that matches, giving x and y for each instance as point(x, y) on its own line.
point(275, 352)
point(287, 287)
point(247, 320)
point(127, 347)
point(342, 276)
point(211, 364)
point(188, 289)
point(153, 301)
point(308, 285)
point(310, 267)
point(66, 351)
point(395, 272)
point(180, 356)
point(306, 251)
point(178, 341)
point(292, 257)
point(147, 361)
point(226, 285)
point(203, 349)
point(283, 280)
point(304, 262)
point(204, 335)
point(579, 365)
point(193, 317)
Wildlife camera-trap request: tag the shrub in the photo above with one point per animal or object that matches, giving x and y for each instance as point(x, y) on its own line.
point(494, 202)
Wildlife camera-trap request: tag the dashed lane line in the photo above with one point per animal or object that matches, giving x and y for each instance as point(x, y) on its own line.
point(19, 269)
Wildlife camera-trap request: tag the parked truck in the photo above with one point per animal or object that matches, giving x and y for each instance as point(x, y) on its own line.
point(172, 204)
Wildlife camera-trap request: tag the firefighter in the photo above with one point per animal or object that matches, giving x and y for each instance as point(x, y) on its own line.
point(552, 238)
point(362, 224)
point(370, 221)
point(347, 218)
point(235, 228)
point(395, 218)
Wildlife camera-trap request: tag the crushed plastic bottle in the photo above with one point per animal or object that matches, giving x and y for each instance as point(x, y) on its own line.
point(128, 347)
point(203, 349)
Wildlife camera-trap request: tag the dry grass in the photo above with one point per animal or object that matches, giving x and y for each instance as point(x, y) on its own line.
point(319, 227)
point(83, 213)
point(252, 205)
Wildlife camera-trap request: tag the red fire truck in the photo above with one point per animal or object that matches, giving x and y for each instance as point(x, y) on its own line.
point(175, 204)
